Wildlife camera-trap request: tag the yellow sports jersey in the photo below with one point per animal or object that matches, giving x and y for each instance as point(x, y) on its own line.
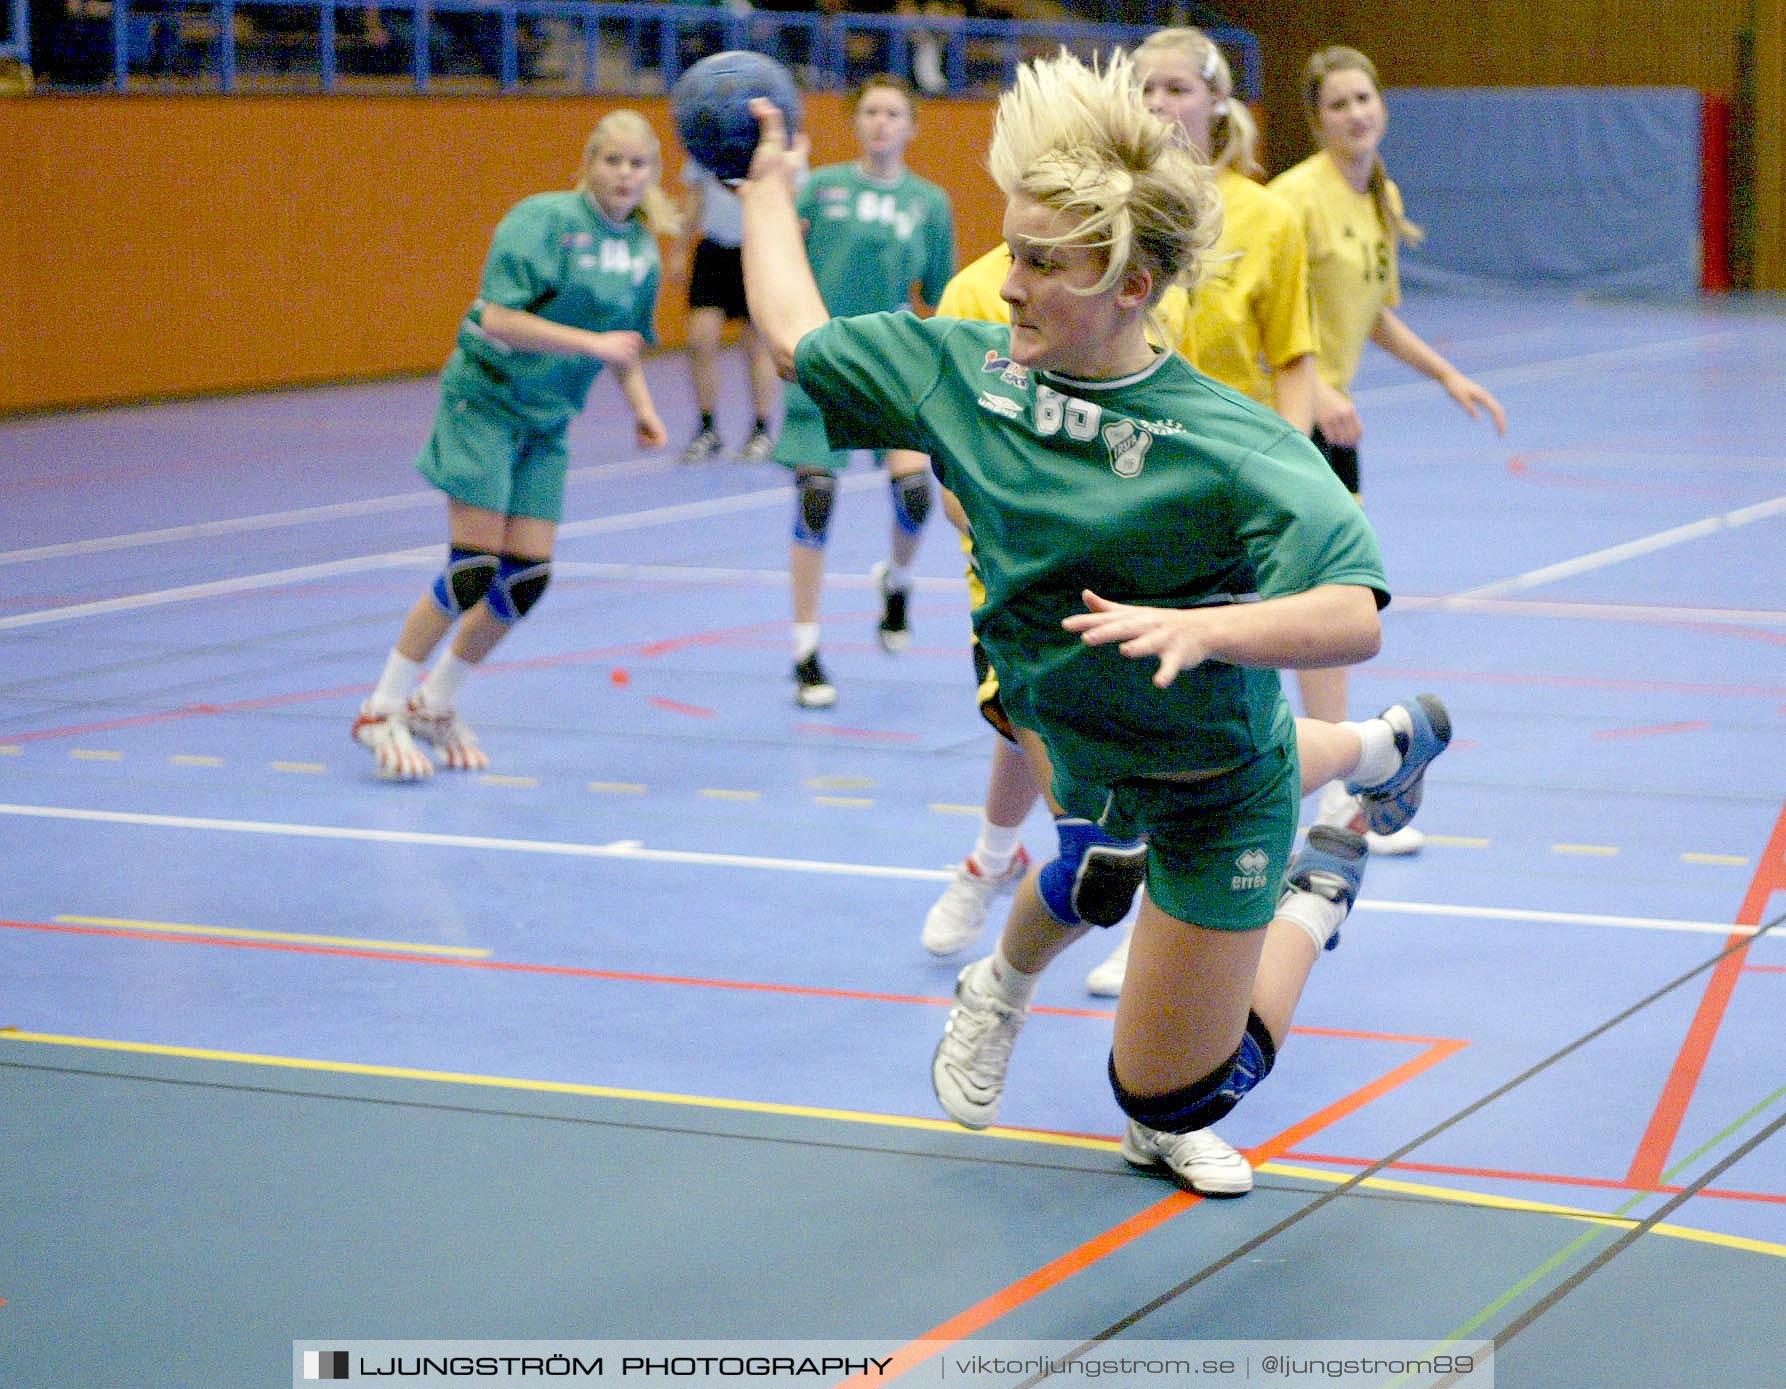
point(1250, 312)
point(973, 293)
point(1351, 260)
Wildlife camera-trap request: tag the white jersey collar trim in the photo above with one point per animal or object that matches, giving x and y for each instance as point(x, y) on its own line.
point(1109, 383)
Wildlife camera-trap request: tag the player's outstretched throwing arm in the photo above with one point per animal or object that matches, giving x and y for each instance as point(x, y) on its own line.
point(779, 288)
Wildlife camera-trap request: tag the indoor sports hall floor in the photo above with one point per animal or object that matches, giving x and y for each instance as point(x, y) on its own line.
point(630, 1038)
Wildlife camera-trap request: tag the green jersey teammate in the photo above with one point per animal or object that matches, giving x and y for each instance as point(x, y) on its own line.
point(874, 229)
point(569, 286)
point(1122, 506)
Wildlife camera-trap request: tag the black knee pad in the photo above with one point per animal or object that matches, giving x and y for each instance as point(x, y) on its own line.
point(519, 584)
point(465, 580)
point(815, 492)
point(1209, 1100)
point(1093, 880)
point(911, 501)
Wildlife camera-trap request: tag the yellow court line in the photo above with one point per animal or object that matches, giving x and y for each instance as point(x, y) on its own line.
point(1458, 841)
point(95, 755)
point(948, 808)
point(844, 802)
point(497, 779)
point(625, 788)
point(896, 1121)
point(195, 759)
point(1514, 1203)
point(1730, 860)
point(549, 1087)
point(10, 749)
point(1592, 850)
point(716, 793)
point(237, 933)
point(310, 767)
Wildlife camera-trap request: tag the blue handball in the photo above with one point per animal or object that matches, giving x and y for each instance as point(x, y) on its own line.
point(710, 104)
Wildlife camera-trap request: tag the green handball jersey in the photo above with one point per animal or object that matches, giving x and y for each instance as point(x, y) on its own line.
point(869, 241)
point(557, 256)
point(1164, 488)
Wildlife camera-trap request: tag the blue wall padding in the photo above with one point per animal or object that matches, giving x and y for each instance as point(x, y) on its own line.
point(1595, 189)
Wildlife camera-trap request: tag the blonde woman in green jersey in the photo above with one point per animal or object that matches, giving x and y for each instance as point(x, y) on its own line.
point(569, 286)
point(1123, 507)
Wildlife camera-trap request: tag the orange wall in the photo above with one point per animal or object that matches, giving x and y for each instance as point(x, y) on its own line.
point(183, 245)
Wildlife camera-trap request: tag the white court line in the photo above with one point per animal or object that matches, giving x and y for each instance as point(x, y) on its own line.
point(406, 500)
point(632, 849)
point(300, 516)
point(1646, 545)
point(1551, 367)
point(1595, 612)
point(632, 520)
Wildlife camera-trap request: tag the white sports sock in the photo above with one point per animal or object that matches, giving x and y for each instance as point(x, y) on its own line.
point(806, 639)
point(1314, 914)
point(440, 691)
point(1009, 983)
point(996, 847)
point(1379, 758)
point(396, 684)
point(897, 577)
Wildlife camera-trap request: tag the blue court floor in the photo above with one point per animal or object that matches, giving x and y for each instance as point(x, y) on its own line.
point(630, 1037)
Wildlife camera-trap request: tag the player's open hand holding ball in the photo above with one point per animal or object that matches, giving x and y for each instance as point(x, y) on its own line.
point(776, 155)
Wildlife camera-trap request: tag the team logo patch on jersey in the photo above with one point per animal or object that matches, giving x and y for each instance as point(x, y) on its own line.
point(1128, 444)
point(1251, 864)
point(1001, 405)
point(1008, 371)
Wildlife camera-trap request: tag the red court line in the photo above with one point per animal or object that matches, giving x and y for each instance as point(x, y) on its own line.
point(672, 706)
point(197, 936)
point(1689, 726)
point(1683, 1079)
point(988, 1309)
point(1772, 1198)
point(1007, 1299)
point(1764, 969)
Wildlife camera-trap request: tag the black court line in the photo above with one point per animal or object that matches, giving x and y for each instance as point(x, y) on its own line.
point(1623, 1242)
point(591, 1121)
point(1241, 1251)
point(1123, 1172)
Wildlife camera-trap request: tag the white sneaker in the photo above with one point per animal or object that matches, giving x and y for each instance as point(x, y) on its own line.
point(1340, 810)
point(1105, 980)
point(393, 750)
point(1406, 840)
point(1201, 1162)
point(968, 1070)
point(451, 736)
point(959, 915)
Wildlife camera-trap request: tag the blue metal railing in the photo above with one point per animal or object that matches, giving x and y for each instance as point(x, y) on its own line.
point(15, 42)
point(619, 46)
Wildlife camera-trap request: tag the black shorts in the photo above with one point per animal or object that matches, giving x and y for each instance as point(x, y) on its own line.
point(716, 280)
point(1341, 458)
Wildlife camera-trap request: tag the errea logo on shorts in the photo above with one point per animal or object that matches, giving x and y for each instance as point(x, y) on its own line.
point(1252, 864)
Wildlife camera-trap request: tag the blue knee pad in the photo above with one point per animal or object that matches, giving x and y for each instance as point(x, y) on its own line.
point(1093, 880)
point(1207, 1101)
point(519, 584)
point(815, 492)
point(465, 580)
point(911, 501)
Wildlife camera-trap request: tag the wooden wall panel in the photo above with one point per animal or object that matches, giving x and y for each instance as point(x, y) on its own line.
point(188, 245)
point(1512, 43)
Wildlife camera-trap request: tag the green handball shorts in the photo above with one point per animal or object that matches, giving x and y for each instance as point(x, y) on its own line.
point(483, 456)
point(1217, 849)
